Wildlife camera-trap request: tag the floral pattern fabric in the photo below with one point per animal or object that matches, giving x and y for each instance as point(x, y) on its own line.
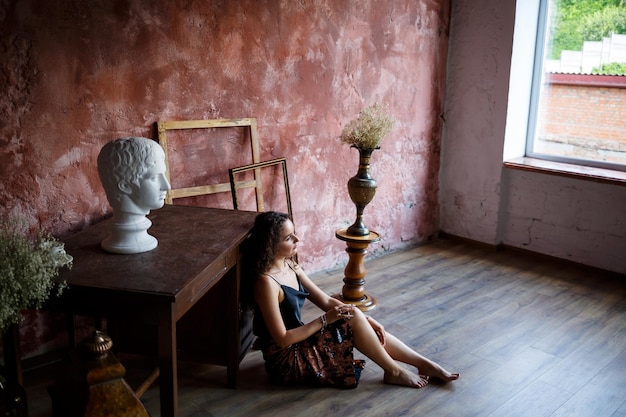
point(324, 359)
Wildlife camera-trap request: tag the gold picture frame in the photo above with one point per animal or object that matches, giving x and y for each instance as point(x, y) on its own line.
point(256, 167)
point(164, 126)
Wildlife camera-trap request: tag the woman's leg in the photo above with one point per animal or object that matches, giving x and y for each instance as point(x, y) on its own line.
point(399, 351)
point(366, 341)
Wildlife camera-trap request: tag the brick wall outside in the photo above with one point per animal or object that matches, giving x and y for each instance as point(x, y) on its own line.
point(583, 119)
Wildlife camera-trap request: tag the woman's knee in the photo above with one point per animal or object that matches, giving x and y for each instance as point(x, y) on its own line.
point(359, 317)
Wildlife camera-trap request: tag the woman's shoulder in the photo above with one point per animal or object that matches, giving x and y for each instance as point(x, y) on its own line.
point(265, 279)
point(266, 282)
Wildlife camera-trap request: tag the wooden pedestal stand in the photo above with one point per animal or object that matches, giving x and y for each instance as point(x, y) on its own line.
point(353, 291)
point(93, 384)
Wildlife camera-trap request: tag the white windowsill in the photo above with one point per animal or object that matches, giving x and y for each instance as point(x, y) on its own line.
point(567, 170)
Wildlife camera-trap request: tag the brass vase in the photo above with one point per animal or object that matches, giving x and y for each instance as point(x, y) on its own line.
point(362, 188)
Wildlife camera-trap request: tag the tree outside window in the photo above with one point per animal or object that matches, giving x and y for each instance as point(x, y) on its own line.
point(578, 110)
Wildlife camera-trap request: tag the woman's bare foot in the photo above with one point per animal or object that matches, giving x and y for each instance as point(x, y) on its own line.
point(406, 379)
point(438, 372)
point(445, 376)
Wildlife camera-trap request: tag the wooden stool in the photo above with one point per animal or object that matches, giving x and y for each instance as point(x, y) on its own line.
point(353, 291)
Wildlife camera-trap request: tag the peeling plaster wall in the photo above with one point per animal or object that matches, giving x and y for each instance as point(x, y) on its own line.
point(581, 221)
point(77, 74)
point(475, 118)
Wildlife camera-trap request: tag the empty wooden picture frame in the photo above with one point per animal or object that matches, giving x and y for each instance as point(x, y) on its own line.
point(256, 167)
point(197, 190)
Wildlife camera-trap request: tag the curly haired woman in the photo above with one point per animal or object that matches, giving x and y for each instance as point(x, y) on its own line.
point(319, 352)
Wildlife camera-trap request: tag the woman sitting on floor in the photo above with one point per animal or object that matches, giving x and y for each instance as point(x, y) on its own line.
point(319, 352)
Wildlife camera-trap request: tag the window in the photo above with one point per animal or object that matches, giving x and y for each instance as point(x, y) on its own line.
point(576, 105)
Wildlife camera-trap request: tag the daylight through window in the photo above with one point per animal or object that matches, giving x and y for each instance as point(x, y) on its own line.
point(578, 103)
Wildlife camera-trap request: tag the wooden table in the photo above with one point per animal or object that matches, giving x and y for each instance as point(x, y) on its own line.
point(198, 249)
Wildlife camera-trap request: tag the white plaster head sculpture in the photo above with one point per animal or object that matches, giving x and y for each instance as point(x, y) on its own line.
point(132, 172)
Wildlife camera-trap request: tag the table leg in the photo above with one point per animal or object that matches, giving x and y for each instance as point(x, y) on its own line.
point(168, 371)
point(234, 343)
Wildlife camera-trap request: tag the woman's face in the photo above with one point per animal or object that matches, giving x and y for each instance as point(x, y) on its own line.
point(288, 243)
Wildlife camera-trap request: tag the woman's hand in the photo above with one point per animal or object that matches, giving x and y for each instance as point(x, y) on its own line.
point(378, 329)
point(342, 311)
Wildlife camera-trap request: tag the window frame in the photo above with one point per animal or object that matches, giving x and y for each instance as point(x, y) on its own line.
point(529, 44)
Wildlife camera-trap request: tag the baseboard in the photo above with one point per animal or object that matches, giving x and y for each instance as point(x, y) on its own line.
point(527, 252)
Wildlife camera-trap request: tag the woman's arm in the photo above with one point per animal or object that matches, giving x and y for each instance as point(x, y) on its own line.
point(268, 295)
point(316, 295)
point(332, 306)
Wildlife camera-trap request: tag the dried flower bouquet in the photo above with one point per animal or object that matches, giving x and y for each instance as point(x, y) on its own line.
point(27, 270)
point(369, 129)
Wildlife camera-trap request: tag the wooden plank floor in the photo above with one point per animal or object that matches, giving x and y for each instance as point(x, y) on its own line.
point(530, 336)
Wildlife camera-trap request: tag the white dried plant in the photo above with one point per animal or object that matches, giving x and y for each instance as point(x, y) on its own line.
point(369, 129)
point(28, 267)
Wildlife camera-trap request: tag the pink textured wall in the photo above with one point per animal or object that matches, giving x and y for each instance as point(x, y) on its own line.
point(78, 74)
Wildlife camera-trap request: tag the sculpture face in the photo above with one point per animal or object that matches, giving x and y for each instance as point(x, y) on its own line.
point(132, 171)
point(149, 191)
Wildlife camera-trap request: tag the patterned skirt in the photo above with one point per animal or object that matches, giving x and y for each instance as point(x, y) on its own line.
point(323, 359)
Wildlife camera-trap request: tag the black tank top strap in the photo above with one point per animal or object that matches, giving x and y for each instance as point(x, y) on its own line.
point(292, 266)
point(275, 280)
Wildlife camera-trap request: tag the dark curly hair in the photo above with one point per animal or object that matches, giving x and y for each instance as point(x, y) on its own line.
point(259, 249)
